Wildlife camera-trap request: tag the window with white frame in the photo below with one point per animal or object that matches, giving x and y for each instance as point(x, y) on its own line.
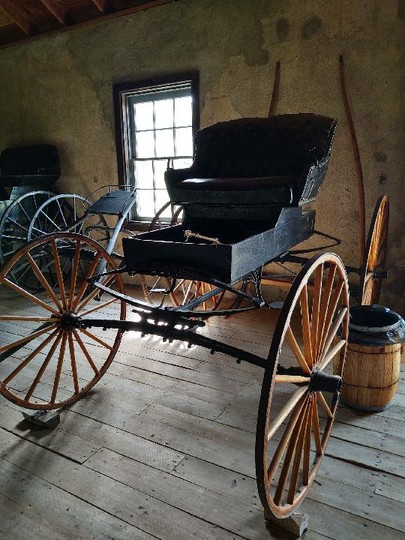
point(156, 128)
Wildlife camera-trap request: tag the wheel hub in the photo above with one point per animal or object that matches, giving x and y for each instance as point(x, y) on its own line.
point(322, 382)
point(69, 320)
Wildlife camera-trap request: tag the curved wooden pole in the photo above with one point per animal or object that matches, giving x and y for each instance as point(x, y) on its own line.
point(276, 88)
point(356, 151)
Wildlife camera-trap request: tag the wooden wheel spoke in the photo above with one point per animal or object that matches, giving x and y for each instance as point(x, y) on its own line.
point(30, 357)
point(332, 333)
point(99, 307)
point(73, 277)
point(90, 296)
point(306, 326)
point(26, 339)
point(316, 306)
point(332, 353)
point(41, 278)
point(316, 427)
point(85, 283)
point(285, 439)
point(326, 330)
point(96, 338)
point(187, 293)
point(73, 364)
point(324, 404)
point(28, 318)
point(298, 454)
point(285, 411)
point(307, 447)
point(59, 275)
point(326, 295)
point(29, 296)
point(297, 351)
point(59, 368)
point(43, 366)
point(292, 379)
point(85, 352)
point(292, 447)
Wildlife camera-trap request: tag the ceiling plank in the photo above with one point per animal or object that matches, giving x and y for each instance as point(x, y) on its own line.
point(58, 12)
point(140, 6)
point(103, 6)
point(19, 15)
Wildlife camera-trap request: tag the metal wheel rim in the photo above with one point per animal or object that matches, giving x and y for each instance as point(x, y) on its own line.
point(22, 226)
point(66, 221)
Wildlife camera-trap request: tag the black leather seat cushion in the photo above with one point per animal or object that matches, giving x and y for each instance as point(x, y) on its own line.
point(238, 184)
point(236, 191)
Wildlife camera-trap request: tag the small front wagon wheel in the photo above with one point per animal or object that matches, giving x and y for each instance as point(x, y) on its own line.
point(300, 392)
point(47, 358)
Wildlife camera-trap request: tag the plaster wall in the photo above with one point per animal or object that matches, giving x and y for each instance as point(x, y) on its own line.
point(58, 89)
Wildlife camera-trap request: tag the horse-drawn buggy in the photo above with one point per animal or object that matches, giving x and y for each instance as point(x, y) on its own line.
point(244, 202)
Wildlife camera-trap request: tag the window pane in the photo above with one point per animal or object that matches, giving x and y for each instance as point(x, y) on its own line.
point(164, 113)
point(184, 142)
point(164, 143)
point(158, 130)
point(144, 115)
point(183, 113)
point(145, 205)
point(145, 147)
point(160, 168)
point(161, 199)
point(144, 174)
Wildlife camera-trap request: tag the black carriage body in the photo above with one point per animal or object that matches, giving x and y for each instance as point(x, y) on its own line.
point(245, 189)
point(36, 167)
point(236, 254)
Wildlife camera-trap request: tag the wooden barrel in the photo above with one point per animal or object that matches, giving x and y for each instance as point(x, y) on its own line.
point(370, 376)
point(373, 359)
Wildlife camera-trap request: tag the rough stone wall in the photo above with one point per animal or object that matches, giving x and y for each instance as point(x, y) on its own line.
point(59, 89)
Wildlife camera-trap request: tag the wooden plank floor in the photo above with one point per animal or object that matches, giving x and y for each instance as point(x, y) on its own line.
point(163, 447)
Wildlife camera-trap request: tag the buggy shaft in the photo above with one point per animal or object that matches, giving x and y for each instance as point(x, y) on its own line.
point(170, 332)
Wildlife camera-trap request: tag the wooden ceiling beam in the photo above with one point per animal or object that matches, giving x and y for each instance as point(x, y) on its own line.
point(58, 12)
point(19, 15)
point(103, 6)
point(27, 26)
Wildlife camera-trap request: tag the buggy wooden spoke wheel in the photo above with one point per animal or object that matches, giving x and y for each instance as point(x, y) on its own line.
point(47, 360)
point(300, 392)
point(374, 271)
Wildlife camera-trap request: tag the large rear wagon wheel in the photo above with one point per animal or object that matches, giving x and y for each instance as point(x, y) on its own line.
point(373, 270)
point(300, 394)
point(47, 360)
